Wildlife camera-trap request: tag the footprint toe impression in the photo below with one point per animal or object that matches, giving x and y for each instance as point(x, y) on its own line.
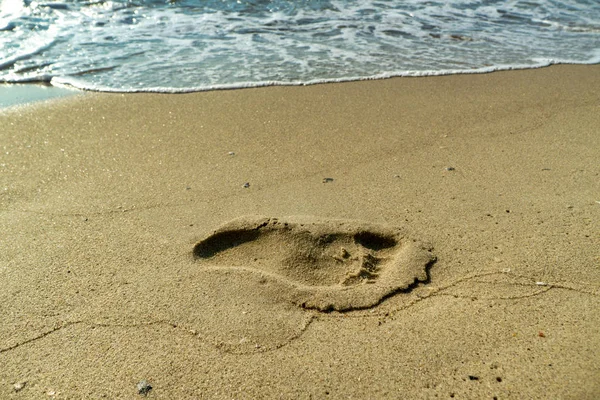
point(327, 264)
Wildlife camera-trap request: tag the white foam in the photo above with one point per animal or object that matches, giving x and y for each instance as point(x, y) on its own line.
point(82, 85)
point(29, 47)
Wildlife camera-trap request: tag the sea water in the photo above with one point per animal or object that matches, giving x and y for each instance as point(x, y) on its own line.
point(191, 45)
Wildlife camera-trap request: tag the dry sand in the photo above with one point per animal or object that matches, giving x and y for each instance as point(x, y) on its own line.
point(496, 177)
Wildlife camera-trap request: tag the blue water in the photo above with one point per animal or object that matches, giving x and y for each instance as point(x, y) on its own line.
point(188, 45)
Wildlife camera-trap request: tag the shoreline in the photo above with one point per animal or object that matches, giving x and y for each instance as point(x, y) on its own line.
point(34, 92)
point(105, 197)
point(76, 85)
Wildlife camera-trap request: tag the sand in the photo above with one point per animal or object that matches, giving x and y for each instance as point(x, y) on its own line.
point(442, 241)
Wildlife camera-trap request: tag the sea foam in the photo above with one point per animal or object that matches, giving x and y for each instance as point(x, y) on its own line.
point(184, 46)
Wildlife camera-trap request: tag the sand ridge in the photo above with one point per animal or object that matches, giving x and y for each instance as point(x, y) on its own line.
point(327, 264)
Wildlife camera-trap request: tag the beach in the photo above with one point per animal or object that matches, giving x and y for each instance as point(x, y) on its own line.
point(417, 238)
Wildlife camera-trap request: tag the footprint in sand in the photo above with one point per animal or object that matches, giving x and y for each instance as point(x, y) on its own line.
point(324, 264)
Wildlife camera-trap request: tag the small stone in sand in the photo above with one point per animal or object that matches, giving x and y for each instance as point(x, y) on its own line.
point(326, 180)
point(450, 168)
point(246, 185)
point(344, 253)
point(231, 153)
point(143, 388)
point(17, 387)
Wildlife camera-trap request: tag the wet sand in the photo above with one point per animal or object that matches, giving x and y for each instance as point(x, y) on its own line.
point(405, 238)
point(16, 95)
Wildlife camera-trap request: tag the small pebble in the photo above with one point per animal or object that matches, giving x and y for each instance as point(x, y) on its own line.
point(17, 387)
point(231, 153)
point(143, 388)
point(326, 180)
point(246, 185)
point(450, 168)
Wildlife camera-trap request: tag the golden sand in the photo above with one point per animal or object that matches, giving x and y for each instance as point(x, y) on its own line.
point(492, 183)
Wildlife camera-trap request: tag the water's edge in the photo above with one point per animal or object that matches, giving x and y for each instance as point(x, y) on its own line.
point(15, 95)
point(76, 84)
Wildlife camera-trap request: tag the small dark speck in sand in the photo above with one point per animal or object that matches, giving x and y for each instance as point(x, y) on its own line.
point(450, 169)
point(246, 185)
point(143, 388)
point(327, 180)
